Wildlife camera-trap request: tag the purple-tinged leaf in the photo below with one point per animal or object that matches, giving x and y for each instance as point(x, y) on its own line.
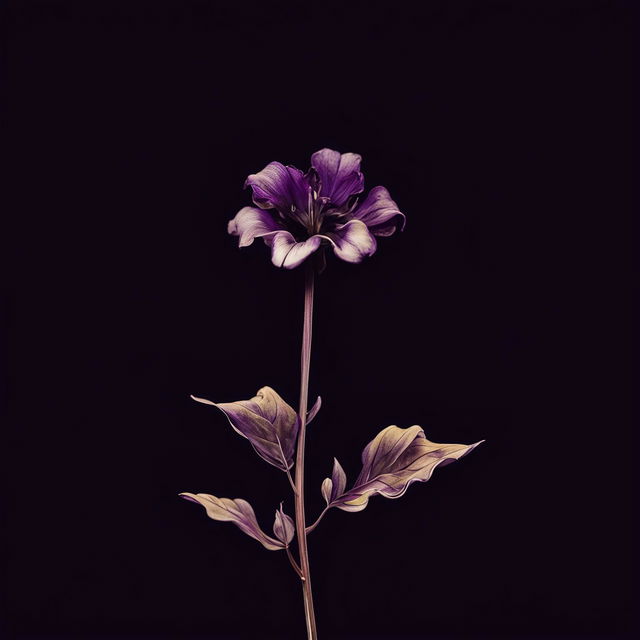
point(237, 511)
point(334, 487)
point(268, 422)
point(325, 489)
point(311, 414)
point(283, 527)
point(392, 461)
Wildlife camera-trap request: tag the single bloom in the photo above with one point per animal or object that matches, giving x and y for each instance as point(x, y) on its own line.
point(298, 213)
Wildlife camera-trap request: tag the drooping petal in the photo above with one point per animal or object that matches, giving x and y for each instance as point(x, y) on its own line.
point(251, 223)
point(339, 174)
point(283, 527)
point(287, 253)
point(332, 488)
point(267, 421)
point(395, 459)
point(352, 241)
point(380, 213)
point(280, 187)
point(237, 511)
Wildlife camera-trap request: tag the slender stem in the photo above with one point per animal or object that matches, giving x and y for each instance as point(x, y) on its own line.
point(294, 564)
point(310, 528)
point(305, 360)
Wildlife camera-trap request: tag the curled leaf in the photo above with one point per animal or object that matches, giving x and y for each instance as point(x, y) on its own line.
point(392, 461)
point(268, 422)
point(311, 414)
point(283, 527)
point(334, 486)
point(237, 511)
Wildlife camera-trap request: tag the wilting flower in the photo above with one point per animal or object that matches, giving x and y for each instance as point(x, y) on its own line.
point(301, 212)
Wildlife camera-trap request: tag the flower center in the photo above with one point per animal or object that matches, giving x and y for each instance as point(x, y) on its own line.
point(321, 215)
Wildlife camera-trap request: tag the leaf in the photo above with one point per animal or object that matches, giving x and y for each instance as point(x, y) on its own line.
point(268, 422)
point(334, 486)
point(311, 414)
point(240, 513)
point(391, 462)
point(283, 527)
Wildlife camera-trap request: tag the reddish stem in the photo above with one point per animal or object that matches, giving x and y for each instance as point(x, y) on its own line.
point(305, 360)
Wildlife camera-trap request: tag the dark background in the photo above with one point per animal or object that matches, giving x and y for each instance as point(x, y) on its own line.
point(503, 130)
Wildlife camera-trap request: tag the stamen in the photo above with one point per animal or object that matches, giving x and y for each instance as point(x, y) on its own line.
point(310, 207)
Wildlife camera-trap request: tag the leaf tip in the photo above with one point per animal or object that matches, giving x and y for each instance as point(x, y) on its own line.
point(202, 400)
point(311, 414)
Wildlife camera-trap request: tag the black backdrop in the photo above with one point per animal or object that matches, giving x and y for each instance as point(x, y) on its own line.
point(503, 131)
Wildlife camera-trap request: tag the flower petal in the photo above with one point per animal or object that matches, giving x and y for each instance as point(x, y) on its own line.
point(287, 253)
point(251, 223)
point(339, 174)
point(267, 421)
point(280, 187)
point(238, 511)
point(283, 527)
point(392, 461)
point(352, 241)
point(380, 213)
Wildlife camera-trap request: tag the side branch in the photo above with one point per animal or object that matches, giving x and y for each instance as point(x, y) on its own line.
point(294, 564)
point(310, 528)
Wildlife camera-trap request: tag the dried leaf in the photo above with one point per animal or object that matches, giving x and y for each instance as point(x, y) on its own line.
point(334, 487)
point(268, 422)
point(283, 527)
point(241, 514)
point(392, 461)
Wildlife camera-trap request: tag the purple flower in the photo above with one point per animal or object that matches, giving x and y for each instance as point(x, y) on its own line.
point(301, 212)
